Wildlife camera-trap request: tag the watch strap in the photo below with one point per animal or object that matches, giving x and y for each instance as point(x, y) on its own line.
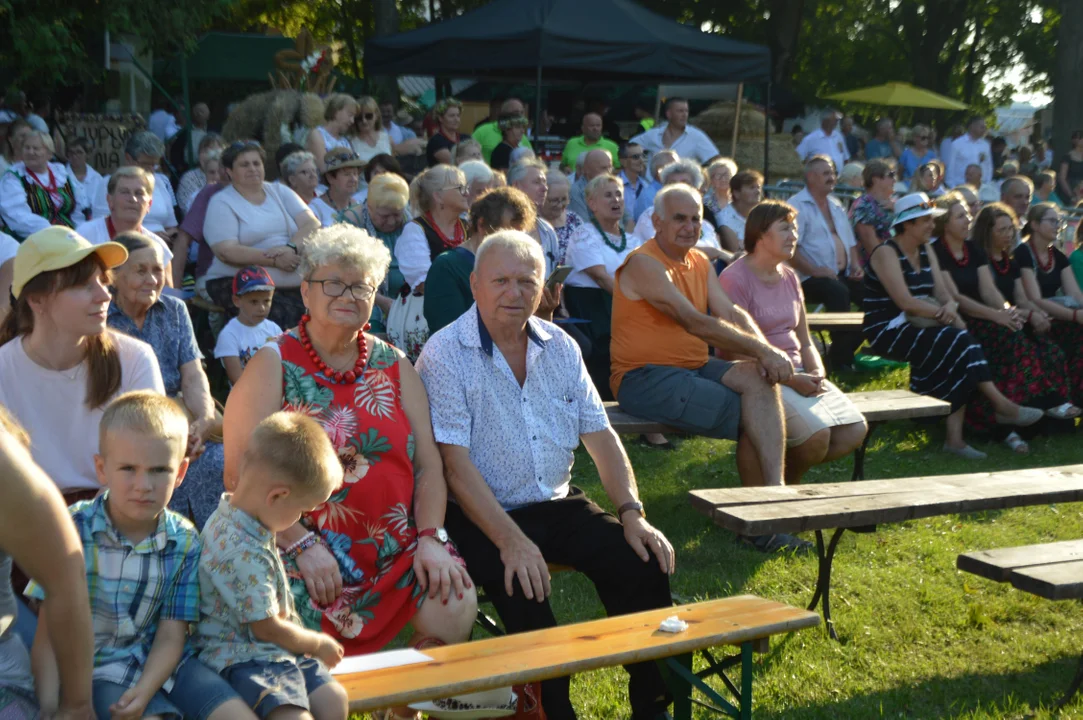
point(634, 505)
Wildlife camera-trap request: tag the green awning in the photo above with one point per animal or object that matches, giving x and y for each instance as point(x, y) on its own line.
point(230, 56)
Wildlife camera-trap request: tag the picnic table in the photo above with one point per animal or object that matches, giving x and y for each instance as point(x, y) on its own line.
point(862, 506)
point(746, 621)
point(1053, 571)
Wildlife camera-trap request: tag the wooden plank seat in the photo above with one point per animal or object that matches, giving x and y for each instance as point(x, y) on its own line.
point(1053, 571)
point(878, 407)
point(745, 621)
point(818, 322)
point(862, 506)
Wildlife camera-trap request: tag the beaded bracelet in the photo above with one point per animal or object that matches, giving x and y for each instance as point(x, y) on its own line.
point(294, 550)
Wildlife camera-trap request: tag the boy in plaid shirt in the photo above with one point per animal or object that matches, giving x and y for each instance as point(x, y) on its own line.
point(142, 567)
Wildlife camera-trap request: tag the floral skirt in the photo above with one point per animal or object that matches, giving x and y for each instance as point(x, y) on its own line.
point(1028, 369)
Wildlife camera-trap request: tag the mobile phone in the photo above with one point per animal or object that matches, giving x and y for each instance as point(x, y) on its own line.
point(558, 276)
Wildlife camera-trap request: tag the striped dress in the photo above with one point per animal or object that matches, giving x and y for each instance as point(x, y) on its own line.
point(945, 362)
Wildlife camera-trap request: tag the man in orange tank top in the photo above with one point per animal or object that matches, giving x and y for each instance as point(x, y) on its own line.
point(668, 310)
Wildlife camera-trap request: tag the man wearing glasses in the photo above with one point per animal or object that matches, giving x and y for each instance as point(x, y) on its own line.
point(632, 164)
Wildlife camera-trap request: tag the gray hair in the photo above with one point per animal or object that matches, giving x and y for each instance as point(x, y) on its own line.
point(521, 155)
point(556, 177)
point(144, 142)
point(518, 171)
point(463, 144)
point(476, 170)
point(597, 183)
point(725, 162)
point(345, 245)
point(675, 189)
point(518, 243)
point(293, 162)
point(683, 167)
point(656, 159)
point(130, 171)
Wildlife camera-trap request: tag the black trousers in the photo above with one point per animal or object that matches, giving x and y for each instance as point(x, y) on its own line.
point(576, 532)
point(836, 294)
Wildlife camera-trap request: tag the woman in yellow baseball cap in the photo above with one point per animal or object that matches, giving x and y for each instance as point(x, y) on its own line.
point(59, 363)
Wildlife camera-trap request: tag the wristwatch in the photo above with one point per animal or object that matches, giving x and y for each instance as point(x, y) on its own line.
point(439, 533)
point(637, 506)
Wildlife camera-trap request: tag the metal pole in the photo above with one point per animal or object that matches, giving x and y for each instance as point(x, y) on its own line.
point(188, 151)
point(767, 132)
point(537, 107)
point(737, 119)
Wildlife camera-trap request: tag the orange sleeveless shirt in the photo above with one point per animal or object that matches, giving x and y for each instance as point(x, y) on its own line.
point(642, 335)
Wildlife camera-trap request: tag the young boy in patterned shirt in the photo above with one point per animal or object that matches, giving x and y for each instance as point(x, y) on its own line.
point(249, 631)
point(142, 565)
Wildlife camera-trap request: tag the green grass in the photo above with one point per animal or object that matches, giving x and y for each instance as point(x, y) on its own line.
point(919, 639)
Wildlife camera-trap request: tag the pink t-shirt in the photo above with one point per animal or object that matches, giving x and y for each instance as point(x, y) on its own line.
point(776, 308)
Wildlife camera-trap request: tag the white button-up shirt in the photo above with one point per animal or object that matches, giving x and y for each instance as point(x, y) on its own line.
point(521, 439)
point(692, 143)
point(818, 142)
point(966, 151)
point(815, 243)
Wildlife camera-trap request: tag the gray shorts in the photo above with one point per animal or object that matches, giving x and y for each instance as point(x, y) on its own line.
point(694, 401)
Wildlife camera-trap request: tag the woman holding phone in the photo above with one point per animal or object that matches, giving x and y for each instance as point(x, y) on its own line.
point(821, 423)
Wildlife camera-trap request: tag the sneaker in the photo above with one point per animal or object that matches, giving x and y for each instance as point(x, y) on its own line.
point(779, 542)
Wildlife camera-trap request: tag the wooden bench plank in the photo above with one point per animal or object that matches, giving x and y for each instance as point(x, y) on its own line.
point(1063, 581)
point(568, 649)
point(835, 321)
point(999, 564)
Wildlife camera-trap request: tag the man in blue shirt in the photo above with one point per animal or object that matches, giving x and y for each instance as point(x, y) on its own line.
point(884, 144)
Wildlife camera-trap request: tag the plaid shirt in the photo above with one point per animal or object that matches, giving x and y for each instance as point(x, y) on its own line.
point(133, 587)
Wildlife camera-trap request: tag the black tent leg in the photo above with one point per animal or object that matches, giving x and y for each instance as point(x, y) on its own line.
point(537, 109)
point(767, 133)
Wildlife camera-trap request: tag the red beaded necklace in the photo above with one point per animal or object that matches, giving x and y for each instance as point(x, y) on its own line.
point(1045, 267)
point(966, 255)
point(452, 242)
point(350, 376)
point(1007, 264)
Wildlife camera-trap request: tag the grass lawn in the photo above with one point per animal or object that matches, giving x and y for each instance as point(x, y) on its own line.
point(919, 639)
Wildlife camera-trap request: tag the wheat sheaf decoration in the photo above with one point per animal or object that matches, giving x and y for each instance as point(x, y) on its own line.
point(307, 67)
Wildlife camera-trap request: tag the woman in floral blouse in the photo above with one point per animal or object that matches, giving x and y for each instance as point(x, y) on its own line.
point(871, 213)
point(375, 556)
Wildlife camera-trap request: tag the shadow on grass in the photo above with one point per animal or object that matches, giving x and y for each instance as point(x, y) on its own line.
point(1028, 693)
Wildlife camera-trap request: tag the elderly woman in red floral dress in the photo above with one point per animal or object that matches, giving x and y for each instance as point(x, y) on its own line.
point(375, 556)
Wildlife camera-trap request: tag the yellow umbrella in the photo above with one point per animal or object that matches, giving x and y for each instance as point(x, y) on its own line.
point(901, 94)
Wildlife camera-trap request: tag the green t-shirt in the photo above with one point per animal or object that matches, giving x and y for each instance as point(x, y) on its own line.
point(1076, 261)
point(447, 288)
point(578, 145)
point(489, 136)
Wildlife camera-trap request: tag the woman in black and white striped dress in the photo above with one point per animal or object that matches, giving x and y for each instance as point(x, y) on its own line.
point(909, 315)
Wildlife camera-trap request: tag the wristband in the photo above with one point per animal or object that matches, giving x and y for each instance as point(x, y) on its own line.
point(294, 550)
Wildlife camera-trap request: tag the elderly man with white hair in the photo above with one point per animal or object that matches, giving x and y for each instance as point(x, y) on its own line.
point(826, 140)
point(508, 448)
point(595, 163)
point(688, 173)
point(668, 311)
point(530, 177)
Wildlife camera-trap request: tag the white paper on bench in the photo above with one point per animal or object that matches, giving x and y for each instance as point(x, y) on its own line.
point(380, 660)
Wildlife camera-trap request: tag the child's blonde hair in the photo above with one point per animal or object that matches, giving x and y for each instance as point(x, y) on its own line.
point(146, 412)
point(294, 446)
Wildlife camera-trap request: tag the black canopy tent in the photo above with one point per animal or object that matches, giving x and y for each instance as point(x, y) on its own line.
point(585, 41)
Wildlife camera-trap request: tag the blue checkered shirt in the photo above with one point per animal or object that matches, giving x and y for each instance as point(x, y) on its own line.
point(133, 587)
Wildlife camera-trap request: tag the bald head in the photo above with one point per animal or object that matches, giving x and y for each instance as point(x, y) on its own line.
point(597, 162)
point(592, 127)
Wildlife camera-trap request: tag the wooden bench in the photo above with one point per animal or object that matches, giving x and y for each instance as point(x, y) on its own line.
point(862, 506)
point(1053, 571)
point(878, 407)
point(745, 621)
point(829, 321)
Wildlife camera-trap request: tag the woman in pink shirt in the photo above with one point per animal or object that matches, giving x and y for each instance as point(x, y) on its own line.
point(821, 423)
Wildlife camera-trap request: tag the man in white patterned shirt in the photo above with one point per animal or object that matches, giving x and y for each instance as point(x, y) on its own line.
point(511, 399)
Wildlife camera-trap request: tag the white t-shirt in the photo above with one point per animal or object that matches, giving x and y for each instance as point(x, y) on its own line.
point(264, 226)
point(97, 232)
point(586, 249)
point(89, 184)
point(161, 214)
point(644, 231)
point(242, 341)
point(966, 151)
point(51, 405)
point(818, 142)
point(730, 218)
point(366, 152)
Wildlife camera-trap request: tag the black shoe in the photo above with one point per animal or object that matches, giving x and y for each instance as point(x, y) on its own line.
point(667, 445)
point(779, 542)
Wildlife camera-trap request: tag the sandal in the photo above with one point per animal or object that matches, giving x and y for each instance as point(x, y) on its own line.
point(1025, 417)
point(1017, 444)
point(1067, 411)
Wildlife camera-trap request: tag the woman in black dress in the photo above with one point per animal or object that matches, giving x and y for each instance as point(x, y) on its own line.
point(448, 112)
point(904, 291)
point(512, 129)
point(1070, 172)
point(1027, 367)
point(1050, 284)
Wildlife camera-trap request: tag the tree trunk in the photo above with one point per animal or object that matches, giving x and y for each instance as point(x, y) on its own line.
point(1067, 79)
point(386, 16)
point(784, 27)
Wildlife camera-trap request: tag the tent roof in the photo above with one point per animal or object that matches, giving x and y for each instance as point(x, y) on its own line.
point(231, 56)
point(900, 94)
point(572, 40)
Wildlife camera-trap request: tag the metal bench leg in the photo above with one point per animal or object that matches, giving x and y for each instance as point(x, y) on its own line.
point(859, 454)
point(1074, 687)
point(823, 578)
point(682, 681)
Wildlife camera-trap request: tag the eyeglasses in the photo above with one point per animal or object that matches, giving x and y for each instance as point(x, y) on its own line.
point(337, 288)
point(368, 116)
point(463, 190)
point(139, 195)
point(890, 174)
point(634, 157)
point(922, 137)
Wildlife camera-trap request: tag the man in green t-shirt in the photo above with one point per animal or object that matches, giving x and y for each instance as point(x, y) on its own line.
point(488, 134)
point(591, 139)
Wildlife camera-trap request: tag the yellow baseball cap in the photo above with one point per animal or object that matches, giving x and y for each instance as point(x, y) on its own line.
point(55, 248)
